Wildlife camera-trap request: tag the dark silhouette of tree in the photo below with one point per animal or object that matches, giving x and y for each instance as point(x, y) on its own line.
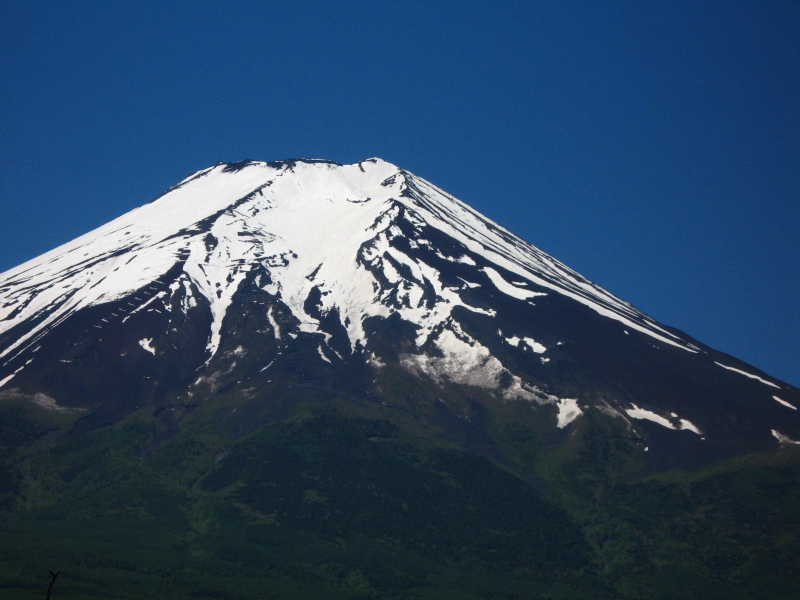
point(52, 581)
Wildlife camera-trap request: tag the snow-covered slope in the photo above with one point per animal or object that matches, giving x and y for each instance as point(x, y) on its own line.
point(313, 224)
point(356, 242)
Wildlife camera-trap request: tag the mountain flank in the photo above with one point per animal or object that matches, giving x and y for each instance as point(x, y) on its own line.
point(298, 378)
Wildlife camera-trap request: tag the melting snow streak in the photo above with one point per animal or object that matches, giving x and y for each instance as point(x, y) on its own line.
point(750, 375)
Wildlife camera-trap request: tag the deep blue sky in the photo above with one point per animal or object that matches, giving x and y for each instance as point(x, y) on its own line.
point(652, 146)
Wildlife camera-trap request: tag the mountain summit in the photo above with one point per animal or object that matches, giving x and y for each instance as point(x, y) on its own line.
point(302, 379)
point(353, 271)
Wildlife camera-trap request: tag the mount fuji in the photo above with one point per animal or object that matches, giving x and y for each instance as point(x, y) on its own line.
point(325, 260)
point(258, 297)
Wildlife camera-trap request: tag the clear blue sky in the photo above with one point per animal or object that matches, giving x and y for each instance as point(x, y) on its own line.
point(652, 146)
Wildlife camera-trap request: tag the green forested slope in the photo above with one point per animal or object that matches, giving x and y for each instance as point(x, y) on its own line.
point(341, 501)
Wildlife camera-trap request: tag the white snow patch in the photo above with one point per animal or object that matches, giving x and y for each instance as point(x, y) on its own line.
point(375, 362)
point(568, 411)
point(508, 288)
point(519, 390)
point(463, 360)
point(785, 403)
point(686, 424)
point(750, 375)
point(529, 342)
point(481, 311)
point(322, 354)
point(147, 345)
point(643, 414)
point(467, 362)
point(470, 284)
point(783, 439)
point(275, 328)
point(187, 300)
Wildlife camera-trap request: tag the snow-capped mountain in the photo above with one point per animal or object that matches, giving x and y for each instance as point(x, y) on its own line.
point(259, 276)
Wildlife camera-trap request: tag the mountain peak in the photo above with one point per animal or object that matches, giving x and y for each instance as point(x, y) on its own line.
point(231, 167)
